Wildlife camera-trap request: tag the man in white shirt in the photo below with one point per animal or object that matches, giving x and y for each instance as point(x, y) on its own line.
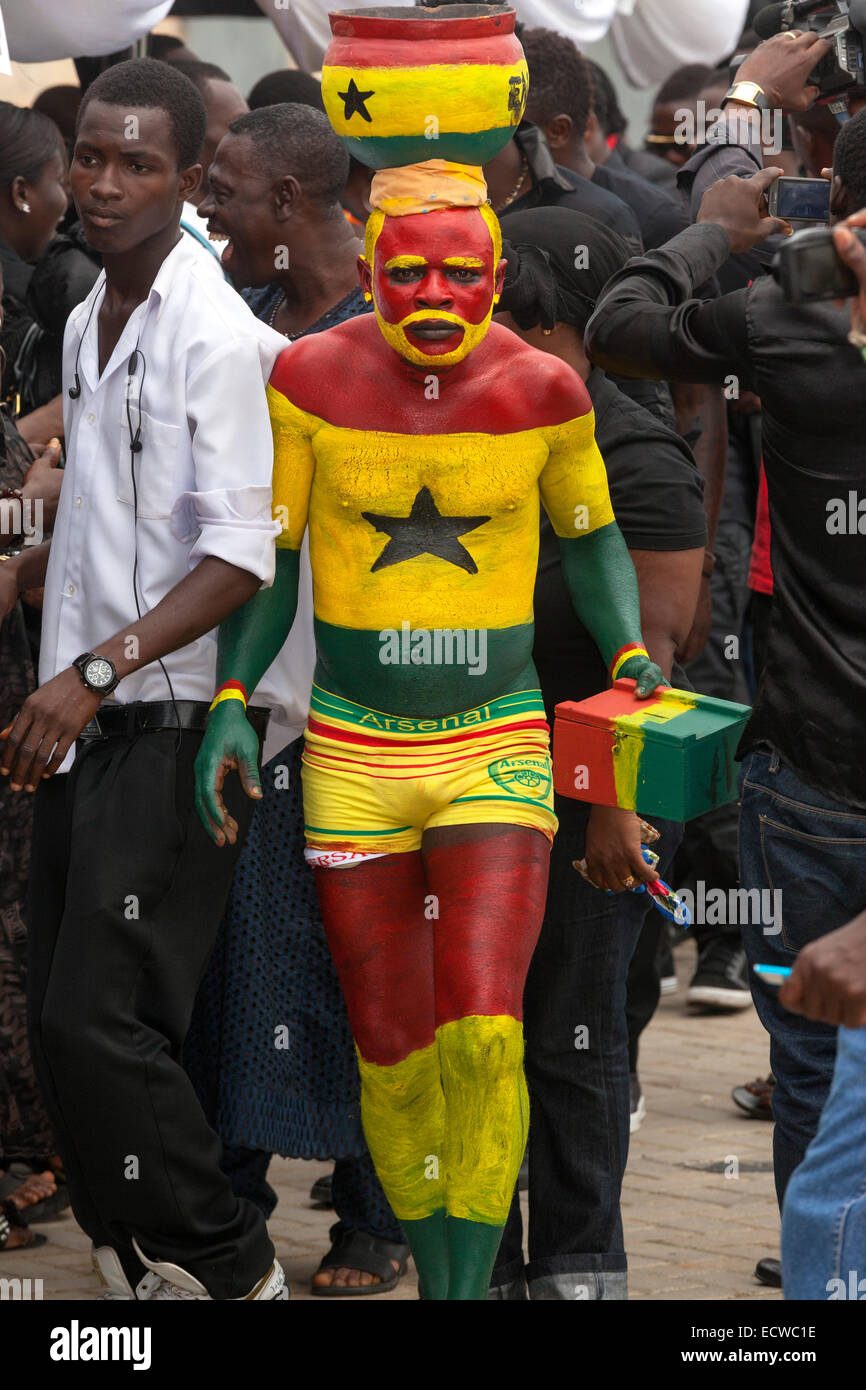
point(164, 528)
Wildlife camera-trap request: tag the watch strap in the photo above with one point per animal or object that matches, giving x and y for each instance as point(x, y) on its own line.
point(747, 94)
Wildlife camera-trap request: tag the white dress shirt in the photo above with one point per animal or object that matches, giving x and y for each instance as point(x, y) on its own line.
point(202, 479)
point(194, 229)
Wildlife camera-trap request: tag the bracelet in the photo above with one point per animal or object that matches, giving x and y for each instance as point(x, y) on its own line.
point(709, 564)
point(625, 654)
point(229, 690)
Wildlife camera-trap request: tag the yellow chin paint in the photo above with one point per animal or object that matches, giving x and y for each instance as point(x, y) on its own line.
point(395, 336)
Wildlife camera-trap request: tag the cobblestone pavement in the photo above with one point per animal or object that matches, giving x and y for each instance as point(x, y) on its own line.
point(699, 1208)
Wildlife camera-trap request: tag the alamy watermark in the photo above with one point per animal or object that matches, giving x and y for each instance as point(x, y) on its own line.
point(698, 127)
point(21, 516)
point(438, 646)
point(717, 907)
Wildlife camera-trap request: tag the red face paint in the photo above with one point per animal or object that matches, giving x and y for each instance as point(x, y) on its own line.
point(441, 262)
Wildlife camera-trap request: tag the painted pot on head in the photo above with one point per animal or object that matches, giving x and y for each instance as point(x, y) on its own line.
point(404, 85)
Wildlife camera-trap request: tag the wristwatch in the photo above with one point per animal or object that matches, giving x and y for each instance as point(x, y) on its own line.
point(97, 672)
point(747, 94)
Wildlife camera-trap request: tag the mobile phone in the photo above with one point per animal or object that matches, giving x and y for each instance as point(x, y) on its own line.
point(800, 200)
point(808, 267)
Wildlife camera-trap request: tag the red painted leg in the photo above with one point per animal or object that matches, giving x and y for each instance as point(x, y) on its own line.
point(382, 945)
point(490, 882)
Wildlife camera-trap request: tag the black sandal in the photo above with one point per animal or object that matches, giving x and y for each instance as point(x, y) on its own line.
point(369, 1254)
point(11, 1217)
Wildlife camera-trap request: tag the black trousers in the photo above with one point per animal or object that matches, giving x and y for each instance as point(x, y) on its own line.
point(127, 892)
point(577, 1067)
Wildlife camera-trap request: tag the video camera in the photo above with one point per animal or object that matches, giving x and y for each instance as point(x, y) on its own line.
point(808, 267)
point(841, 22)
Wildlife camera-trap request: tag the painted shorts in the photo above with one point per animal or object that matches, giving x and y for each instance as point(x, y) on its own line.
point(375, 782)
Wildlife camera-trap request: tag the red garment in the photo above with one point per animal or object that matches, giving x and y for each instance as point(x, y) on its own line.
point(761, 570)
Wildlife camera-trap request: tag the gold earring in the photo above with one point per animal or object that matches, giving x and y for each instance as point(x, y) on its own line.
point(367, 296)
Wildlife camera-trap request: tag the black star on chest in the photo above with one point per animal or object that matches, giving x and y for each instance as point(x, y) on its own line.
point(353, 101)
point(425, 531)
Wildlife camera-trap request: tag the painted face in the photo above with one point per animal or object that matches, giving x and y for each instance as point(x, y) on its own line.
point(435, 282)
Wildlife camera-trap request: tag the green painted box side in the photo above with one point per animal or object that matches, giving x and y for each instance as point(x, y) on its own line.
point(687, 766)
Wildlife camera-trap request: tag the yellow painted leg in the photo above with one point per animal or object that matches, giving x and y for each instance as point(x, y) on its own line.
point(487, 1120)
point(403, 1112)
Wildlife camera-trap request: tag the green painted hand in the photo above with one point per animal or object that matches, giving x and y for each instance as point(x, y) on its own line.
point(229, 742)
point(645, 673)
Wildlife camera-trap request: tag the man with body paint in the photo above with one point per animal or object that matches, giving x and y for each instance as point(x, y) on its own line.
point(419, 476)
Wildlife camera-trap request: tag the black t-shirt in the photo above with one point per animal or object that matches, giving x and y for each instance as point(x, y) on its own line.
point(811, 381)
point(659, 217)
point(555, 186)
point(657, 497)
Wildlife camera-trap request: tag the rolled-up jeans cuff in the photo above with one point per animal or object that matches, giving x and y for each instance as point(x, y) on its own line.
point(591, 1286)
point(508, 1281)
point(579, 1277)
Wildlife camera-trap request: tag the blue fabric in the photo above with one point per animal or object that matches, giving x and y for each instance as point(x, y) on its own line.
point(293, 1092)
point(264, 303)
point(824, 1216)
point(810, 850)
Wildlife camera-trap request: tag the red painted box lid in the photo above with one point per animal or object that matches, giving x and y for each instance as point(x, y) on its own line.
point(600, 711)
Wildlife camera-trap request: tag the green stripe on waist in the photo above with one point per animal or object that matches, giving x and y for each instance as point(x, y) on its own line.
point(525, 704)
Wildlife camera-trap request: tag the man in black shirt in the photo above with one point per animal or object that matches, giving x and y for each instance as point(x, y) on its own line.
point(606, 121)
point(578, 1050)
point(803, 818)
point(525, 175)
point(560, 101)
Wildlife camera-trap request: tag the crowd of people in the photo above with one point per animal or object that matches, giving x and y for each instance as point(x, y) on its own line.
point(180, 298)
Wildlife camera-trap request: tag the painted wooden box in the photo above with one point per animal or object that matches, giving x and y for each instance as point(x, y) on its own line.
point(671, 755)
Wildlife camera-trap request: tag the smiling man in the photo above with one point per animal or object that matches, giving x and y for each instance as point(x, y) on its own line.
point(163, 529)
point(414, 446)
point(274, 191)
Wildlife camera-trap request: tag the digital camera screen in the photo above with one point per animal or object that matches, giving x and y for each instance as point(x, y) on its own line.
point(804, 200)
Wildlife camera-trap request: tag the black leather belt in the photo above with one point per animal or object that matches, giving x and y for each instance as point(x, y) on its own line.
point(147, 716)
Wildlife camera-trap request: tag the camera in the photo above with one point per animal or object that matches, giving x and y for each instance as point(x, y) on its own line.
point(840, 22)
point(800, 200)
point(809, 268)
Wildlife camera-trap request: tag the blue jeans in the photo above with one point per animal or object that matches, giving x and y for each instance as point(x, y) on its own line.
point(809, 853)
point(824, 1216)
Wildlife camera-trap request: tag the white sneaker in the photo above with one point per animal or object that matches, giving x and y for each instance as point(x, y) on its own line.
point(109, 1271)
point(175, 1282)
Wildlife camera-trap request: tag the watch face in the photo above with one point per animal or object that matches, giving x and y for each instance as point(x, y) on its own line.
point(99, 673)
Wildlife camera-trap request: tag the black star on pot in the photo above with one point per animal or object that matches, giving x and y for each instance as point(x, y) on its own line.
point(425, 531)
point(353, 101)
